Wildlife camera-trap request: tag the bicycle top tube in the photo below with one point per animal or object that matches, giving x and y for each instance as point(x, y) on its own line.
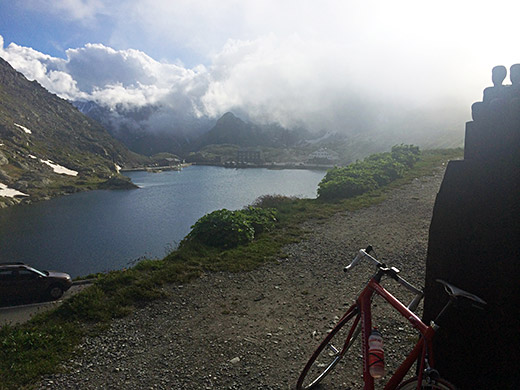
point(373, 286)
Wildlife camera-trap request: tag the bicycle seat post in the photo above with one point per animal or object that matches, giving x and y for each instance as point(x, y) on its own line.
point(435, 322)
point(455, 295)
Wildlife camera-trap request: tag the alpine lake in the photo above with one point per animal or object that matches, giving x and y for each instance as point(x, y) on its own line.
point(98, 231)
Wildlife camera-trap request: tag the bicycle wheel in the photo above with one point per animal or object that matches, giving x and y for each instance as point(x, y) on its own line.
point(437, 384)
point(331, 350)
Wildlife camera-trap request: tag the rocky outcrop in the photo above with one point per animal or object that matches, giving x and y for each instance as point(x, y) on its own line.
point(474, 243)
point(47, 147)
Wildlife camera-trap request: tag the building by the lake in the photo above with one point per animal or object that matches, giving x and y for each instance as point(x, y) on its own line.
point(245, 156)
point(323, 156)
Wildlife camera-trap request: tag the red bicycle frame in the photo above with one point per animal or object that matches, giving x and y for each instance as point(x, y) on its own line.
point(362, 311)
point(422, 349)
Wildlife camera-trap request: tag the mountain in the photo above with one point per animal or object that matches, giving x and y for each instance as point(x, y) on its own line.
point(141, 130)
point(153, 129)
point(230, 129)
point(47, 147)
point(149, 129)
point(280, 145)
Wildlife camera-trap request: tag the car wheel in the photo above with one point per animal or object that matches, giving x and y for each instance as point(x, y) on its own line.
point(55, 292)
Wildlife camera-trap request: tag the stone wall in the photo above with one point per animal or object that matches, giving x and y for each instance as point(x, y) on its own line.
point(474, 243)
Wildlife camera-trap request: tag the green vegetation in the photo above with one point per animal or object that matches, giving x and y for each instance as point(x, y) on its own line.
point(35, 348)
point(228, 229)
point(368, 175)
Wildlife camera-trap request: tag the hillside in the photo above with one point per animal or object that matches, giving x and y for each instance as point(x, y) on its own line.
point(230, 129)
point(47, 147)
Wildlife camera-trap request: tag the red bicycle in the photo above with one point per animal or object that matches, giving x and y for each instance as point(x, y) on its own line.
point(358, 319)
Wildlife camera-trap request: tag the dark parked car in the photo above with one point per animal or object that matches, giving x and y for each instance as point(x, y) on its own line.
point(21, 283)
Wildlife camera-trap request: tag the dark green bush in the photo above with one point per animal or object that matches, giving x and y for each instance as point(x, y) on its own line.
point(273, 201)
point(228, 229)
point(375, 171)
point(383, 168)
point(406, 154)
point(346, 187)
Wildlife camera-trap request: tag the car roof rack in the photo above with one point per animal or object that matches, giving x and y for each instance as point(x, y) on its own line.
point(13, 263)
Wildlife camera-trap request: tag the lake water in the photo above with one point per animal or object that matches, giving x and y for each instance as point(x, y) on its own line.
point(104, 230)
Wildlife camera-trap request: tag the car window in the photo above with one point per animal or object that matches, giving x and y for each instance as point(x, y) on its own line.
point(36, 271)
point(6, 274)
point(25, 274)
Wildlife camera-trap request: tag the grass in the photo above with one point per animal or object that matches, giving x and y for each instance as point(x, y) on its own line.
point(31, 350)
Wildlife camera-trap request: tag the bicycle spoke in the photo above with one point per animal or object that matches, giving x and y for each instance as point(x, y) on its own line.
point(333, 348)
point(330, 352)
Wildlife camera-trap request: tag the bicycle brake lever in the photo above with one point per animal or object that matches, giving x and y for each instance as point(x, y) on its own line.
point(350, 266)
point(356, 260)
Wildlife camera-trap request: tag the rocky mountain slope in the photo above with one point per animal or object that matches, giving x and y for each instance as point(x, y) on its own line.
point(47, 147)
point(230, 129)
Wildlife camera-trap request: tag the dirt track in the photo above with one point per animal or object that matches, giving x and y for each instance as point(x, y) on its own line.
point(256, 330)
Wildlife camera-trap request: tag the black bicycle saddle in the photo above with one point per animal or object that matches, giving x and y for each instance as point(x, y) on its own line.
point(458, 292)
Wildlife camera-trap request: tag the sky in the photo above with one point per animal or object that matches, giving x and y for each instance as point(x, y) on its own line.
point(333, 65)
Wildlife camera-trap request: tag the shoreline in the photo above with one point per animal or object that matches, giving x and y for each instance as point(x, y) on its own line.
point(156, 169)
point(276, 166)
point(112, 184)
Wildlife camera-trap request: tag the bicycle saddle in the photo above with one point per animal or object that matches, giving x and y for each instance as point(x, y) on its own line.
point(456, 292)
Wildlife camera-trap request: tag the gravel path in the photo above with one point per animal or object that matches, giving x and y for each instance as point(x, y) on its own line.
point(256, 330)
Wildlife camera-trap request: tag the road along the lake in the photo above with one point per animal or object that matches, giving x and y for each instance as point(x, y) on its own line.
point(12, 315)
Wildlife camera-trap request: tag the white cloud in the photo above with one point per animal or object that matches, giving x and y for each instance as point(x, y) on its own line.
point(48, 71)
point(77, 10)
point(334, 65)
point(131, 78)
point(292, 81)
point(289, 81)
point(95, 72)
point(96, 65)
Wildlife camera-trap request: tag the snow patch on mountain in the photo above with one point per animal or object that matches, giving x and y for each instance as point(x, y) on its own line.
point(25, 129)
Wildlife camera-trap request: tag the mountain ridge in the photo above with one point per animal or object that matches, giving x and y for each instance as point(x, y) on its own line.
point(140, 130)
point(47, 147)
point(230, 129)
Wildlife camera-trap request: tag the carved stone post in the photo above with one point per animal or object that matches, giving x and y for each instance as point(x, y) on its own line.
point(474, 243)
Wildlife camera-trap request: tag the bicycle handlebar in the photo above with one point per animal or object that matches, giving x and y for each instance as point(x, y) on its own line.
point(362, 254)
point(392, 272)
